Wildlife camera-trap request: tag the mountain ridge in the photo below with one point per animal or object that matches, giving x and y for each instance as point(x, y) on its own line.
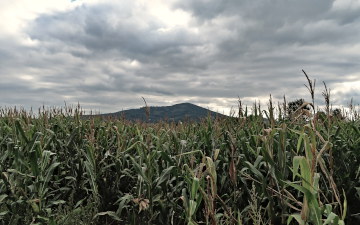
point(174, 113)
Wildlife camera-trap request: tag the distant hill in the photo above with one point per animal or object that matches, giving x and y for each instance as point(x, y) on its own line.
point(174, 113)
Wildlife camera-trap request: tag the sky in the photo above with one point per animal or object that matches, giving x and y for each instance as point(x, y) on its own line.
point(108, 54)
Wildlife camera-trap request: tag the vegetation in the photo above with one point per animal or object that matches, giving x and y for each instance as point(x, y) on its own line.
point(59, 168)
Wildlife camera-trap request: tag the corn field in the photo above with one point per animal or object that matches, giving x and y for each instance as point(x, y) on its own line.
point(60, 168)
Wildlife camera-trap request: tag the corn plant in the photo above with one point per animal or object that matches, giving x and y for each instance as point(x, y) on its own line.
point(58, 166)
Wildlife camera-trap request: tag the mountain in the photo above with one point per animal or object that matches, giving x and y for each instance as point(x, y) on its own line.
point(174, 113)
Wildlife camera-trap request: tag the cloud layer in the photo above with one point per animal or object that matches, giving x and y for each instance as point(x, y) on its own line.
point(107, 54)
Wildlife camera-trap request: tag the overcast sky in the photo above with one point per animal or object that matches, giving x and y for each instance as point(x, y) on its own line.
point(106, 54)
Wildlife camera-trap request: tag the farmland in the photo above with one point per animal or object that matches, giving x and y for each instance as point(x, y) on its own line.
point(59, 168)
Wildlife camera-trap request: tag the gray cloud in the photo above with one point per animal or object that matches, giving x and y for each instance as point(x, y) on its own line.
point(108, 55)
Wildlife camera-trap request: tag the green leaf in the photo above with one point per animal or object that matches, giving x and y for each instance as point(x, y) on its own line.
point(296, 164)
point(165, 174)
point(297, 217)
point(2, 197)
point(34, 206)
point(298, 146)
point(47, 177)
point(108, 213)
point(79, 203)
point(302, 189)
point(192, 207)
point(328, 209)
point(21, 131)
point(254, 170)
point(330, 218)
point(58, 202)
point(308, 152)
point(3, 213)
point(123, 201)
point(194, 188)
point(306, 173)
point(210, 165)
point(315, 211)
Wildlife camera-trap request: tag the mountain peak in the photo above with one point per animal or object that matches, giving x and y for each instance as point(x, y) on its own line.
point(179, 112)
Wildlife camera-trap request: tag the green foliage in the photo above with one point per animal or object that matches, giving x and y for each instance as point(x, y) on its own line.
point(57, 168)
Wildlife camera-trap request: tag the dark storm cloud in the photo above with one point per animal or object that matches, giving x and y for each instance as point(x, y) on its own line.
point(273, 24)
point(277, 8)
point(108, 55)
point(270, 48)
point(126, 35)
